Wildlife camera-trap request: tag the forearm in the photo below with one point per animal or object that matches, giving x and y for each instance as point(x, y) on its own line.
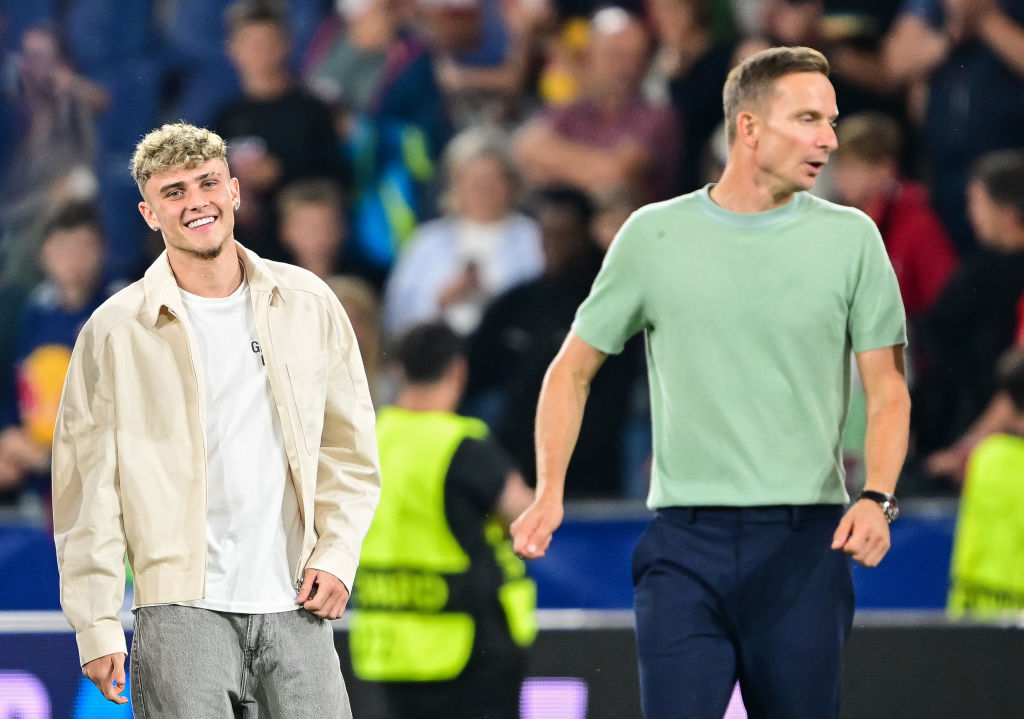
point(560, 409)
point(885, 442)
point(1004, 37)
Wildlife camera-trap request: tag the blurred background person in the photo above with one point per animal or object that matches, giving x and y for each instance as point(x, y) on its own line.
point(53, 146)
point(48, 325)
point(445, 610)
point(375, 69)
point(276, 131)
point(521, 333)
point(610, 136)
point(361, 304)
point(867, 176)
point(482, 246)
point(973, 321)
point(961, 63)
point(987, 572)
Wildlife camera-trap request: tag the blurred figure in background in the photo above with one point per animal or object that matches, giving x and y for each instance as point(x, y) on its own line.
point(610, 136)
point(987, 569)
point(49, 322)
point(376, 72)
point(359, 300)
point(54, 147)
point(961, 63)
point(867, 176)
point(445, 609)
point(276, 132)
point(520, 334)
point(973, 322)
point(690, 66)
point(482, 246)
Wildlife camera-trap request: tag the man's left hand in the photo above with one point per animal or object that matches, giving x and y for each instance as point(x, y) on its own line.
point(323, 594)
point(863, 533)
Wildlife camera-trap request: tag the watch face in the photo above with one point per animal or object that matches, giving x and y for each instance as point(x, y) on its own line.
point(891, 509)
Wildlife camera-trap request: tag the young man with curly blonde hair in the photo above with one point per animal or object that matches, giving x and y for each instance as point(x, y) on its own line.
point(216, 427)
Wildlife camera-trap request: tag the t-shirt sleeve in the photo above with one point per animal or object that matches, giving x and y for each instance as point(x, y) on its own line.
point(877, 318)
point(614, 310)
point(477, 474)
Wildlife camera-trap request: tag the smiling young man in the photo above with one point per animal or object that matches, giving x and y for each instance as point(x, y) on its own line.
point(216, 428)
point(752, 294)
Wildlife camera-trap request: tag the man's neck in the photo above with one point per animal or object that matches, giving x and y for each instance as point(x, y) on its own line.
point(437, 397)
point(268, 87)
point(217, 277)
point(743, 189)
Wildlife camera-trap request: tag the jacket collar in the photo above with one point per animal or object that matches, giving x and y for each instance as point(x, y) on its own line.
point(162, 291)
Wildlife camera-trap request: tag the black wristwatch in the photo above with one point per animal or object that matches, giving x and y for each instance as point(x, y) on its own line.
point(890, 507)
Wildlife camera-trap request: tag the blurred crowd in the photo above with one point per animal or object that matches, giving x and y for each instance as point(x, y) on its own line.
point(471, 161)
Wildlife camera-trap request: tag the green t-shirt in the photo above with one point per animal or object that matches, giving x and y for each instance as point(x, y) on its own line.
point(750, 319)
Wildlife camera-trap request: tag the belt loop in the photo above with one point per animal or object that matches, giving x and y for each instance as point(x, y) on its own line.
point(689, 514)
point(796, 513)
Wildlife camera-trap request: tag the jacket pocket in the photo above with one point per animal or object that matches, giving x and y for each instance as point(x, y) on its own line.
point(307, 381)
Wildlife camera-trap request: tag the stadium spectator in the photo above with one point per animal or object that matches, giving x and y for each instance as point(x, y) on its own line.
point(377, 73)
point(54, 148)
point(752, 295)
point(692, 65)
point(867, 176)
point(520, 334)
point(610, 136)
point(454, 265)
point(986, 571)
point(215, 427)
point(973, 321)
point(445, 609)
point(71, 255)
point(359, 300)
point(276, 132)
point(962, 62)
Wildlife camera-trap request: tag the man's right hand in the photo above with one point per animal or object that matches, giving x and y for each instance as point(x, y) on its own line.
point(107, 673)
point(531, 533)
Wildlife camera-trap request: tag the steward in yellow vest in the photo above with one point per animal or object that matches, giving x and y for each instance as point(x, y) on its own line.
point(987, 569)
point(444, 609)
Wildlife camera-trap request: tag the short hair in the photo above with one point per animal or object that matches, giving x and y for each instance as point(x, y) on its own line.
point(870, 136)
point(315, 191)
point(175, 146)
point(73, 215)
point(475, 142)
point(563, 197)
point(427, 350)
point(1010, 376)
point(1001, 173)
point(751, 82)
point(249, 12)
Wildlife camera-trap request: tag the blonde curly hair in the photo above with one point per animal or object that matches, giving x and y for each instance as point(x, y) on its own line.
point(173, 146)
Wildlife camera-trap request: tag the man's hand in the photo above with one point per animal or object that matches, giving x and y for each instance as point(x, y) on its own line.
point(531, 533)
point(323, 594)
point(863, 533)
point(107, 673)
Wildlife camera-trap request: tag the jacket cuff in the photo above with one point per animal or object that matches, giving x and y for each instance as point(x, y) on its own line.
point(106, 637)
point(337, 561)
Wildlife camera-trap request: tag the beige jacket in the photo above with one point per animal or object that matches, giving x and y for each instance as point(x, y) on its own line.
point(129, 451)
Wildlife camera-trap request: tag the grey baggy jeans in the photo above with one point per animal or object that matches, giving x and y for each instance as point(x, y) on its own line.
point(201, 664)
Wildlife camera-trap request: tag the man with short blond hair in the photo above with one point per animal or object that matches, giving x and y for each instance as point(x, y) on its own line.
point(216, 427)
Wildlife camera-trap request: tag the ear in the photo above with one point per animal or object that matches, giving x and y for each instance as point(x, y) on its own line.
point(747, 127)
point(148, 215)
point(236, 195)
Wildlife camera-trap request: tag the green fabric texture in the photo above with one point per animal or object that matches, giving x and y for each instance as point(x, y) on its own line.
point(988, 551)
point(750, 320)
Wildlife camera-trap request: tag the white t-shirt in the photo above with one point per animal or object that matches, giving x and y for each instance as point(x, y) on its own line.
point(253, 529)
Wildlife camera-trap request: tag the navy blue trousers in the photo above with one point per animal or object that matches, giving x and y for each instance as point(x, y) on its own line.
point(753, 594)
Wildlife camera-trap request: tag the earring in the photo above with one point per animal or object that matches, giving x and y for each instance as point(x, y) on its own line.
point(154, 228)
point(237, 205)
